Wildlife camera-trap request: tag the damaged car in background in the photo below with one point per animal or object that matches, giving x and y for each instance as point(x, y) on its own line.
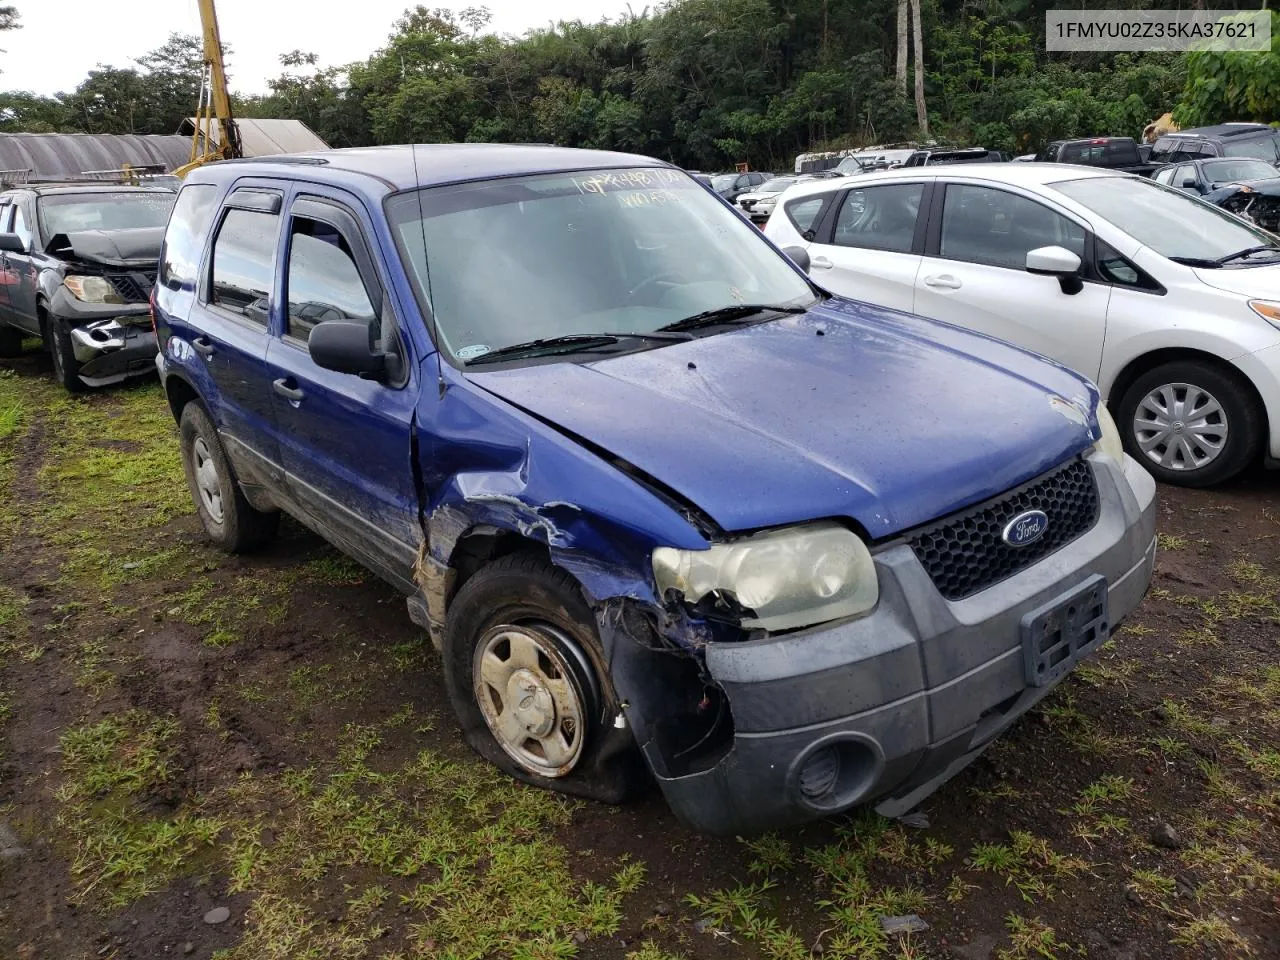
point(79, 261)
point(667, 508)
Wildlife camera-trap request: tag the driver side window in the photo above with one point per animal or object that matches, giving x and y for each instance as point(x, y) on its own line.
point(323, 282)
point(998, 228)
point(20, 226)
point(879, 218)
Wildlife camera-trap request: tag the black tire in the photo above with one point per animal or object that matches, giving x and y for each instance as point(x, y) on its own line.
point(1241, 416)
point(66, 368)
point(523, 591)
point(231, 523)
point(10, 342)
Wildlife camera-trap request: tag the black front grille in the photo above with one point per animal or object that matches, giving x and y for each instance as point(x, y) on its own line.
point(134, 287)
point(966, 552)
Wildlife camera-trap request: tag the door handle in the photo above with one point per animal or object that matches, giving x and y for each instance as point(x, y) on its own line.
point(820, 263)
point(202, 346)
point(287, 388)
point(943, 281)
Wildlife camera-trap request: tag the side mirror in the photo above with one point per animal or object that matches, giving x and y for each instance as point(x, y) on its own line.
point(347, 347)
point(799, 256)
point(11, 243)
point(1055, 261)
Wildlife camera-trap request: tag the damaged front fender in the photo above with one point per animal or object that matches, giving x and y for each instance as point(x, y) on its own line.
point(519, 482)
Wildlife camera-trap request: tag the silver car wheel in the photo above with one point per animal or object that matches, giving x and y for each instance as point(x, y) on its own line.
point(531, 697)
point(1180, 427)
point(207, 480)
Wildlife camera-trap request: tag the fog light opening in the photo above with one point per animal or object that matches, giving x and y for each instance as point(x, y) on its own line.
point(836, 774)
point(819, 774)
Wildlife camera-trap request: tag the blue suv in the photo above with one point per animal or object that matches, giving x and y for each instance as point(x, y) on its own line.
point(666, 507)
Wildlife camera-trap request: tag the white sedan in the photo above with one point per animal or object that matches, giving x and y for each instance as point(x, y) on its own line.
point(1170, 304)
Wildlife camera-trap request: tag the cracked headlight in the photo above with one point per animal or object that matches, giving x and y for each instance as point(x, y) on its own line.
point(93, 289)
point(782, 579)
point(1110, 442)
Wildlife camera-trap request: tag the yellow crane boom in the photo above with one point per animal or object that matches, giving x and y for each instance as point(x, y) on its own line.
point(214, 109)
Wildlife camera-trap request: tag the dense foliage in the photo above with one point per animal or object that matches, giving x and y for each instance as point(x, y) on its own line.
point(704, 83)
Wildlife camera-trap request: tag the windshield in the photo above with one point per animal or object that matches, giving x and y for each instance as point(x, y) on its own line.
point(1264, 148)
point(849, 165)
point(502, 262)
point(1170, 222)
point(724, 182)
point(1224, 171)
point(73, 212)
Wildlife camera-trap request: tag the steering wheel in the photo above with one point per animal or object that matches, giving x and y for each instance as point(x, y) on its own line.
point(655, 280)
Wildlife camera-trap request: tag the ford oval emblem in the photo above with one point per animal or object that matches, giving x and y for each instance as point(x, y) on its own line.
point(1025, 528)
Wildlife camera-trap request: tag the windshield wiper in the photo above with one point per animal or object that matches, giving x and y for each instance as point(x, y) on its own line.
point(1247, 252)
point(1197, 262)
point(737, 311)
point(568, 343)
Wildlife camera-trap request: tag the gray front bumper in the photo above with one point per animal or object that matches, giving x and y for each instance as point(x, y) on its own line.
point(110, 341)
point(909, 694)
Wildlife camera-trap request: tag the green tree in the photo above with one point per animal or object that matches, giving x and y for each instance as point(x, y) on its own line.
point(1231, 86)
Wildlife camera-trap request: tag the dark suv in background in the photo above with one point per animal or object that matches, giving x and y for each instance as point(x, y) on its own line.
point(79, 262)
point(1255, 140)
point(733, 185)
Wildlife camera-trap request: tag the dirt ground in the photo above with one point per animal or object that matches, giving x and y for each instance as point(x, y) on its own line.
point(186, 736)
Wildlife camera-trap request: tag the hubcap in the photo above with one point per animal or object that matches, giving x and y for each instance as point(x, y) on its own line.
point(530, 696)
point(207, 481)
point(1180, 427)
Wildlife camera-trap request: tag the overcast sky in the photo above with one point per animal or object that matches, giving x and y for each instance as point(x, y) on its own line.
point(62, 40)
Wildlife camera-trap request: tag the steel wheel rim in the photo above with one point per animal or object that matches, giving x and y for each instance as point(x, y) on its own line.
point(208, 483)
point(1180, 427)
point(531, 697)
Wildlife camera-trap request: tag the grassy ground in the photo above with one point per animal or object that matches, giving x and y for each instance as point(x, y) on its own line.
point(183, 731)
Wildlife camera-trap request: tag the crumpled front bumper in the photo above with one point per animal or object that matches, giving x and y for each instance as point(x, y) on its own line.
point(110, 341)
point(907, 696)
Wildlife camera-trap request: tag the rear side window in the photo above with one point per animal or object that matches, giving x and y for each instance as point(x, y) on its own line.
point(1162, 152)
point(803, 213)
point(184, 240)
point(880, 218)
point(1264, 148)
point(323, 280)
point(244, 263)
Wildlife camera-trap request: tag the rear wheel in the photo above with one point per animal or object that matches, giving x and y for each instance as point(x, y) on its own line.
point(10, 342)
point(226, 515)
point(1190, 423)
point(527, 680)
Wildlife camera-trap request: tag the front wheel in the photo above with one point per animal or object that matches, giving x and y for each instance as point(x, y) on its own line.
point(526, 677)
point(1191, 424)
point(66, 368)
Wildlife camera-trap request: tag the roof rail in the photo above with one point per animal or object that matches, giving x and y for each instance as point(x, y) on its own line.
point(13, 178)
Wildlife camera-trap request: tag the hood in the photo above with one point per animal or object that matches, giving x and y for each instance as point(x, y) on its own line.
point(1262, 282)
point(847, 410)
point(113, 248)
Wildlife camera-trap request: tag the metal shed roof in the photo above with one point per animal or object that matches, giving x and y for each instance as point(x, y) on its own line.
point(267, 138)
point(51, 155)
